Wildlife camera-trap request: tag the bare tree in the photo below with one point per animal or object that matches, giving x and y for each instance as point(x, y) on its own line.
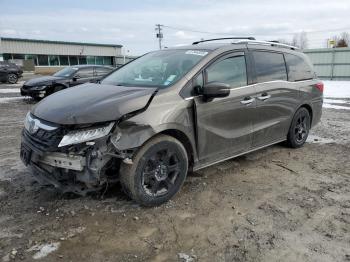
point(343, 40)
point(295, 41)
point(300, 40)
point(284, 41)
point(304, 42)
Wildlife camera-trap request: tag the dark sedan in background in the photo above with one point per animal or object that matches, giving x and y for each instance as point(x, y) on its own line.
point(9, 72)
point(70, 76)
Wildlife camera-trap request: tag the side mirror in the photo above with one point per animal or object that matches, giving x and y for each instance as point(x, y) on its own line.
point(76, 77)
point(216, 89)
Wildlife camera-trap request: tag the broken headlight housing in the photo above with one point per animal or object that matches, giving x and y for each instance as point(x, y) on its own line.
point(85, 135)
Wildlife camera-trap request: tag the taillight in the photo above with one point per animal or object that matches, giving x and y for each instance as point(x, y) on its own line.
point(320, 86)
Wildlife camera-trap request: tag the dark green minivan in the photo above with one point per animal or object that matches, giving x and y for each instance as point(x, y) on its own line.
point(170, 112)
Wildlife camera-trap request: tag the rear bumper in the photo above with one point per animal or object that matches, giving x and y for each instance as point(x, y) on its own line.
point(316, 112)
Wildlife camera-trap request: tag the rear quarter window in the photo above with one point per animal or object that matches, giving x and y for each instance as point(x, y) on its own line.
point(269, 66)
point(298, 69)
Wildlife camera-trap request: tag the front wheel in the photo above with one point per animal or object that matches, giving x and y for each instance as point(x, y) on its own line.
point(12, 78)
point(157, 173)
point(299, 129)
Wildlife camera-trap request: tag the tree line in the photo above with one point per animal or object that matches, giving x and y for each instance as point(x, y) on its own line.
point(301, 41)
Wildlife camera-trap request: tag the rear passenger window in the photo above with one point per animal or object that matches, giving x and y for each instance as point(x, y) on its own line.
point(269, 66)
point(230, 71)
point(298, 68)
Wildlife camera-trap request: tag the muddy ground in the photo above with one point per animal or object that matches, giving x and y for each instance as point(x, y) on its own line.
point(276, 204)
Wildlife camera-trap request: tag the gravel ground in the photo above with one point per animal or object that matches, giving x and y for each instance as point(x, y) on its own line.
point(276, 204)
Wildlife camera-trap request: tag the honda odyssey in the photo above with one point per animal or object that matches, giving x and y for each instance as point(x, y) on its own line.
point(171, 112)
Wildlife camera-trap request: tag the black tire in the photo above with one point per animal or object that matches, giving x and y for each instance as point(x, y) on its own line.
point(12, 78)
point(299, 129)
point(58, 88)
point(157, 173)
point(55, 89)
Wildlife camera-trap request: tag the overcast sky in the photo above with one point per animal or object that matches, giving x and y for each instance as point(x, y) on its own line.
point(132, 23)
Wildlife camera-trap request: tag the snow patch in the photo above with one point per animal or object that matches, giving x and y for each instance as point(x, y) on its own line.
point(10, 99)
point(336, 107)
point(335, 101)
point(44, 250)
point(9, 90)
point(336, 89)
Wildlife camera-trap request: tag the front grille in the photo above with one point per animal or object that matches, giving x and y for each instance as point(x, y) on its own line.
point(43, 140)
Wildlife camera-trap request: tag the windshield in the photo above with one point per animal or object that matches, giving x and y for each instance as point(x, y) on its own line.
point(156, 69)
point(66, 72)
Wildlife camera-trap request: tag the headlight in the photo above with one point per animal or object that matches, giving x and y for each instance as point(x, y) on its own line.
point(39, 87)
point(27, 121)
point(77, 137)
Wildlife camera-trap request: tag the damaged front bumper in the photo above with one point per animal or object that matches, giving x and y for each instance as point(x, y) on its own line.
point(79, 169)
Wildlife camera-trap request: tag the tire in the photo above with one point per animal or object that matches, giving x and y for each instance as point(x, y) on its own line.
point(58, 88)
point(299, 129)
point(157, 173)
point(12, 78)
point(54, 89)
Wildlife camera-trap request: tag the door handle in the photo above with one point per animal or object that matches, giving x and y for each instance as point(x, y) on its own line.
point(264, 97)
point(247, 101)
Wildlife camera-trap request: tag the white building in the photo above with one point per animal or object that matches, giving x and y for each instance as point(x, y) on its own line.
point(49, 56)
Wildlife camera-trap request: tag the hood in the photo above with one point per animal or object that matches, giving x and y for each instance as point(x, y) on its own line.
point(42, 80)
point(92, 103)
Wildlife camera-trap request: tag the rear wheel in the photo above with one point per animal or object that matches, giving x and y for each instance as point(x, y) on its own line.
point(158, 171)
point(12, 78)
point(299, 129)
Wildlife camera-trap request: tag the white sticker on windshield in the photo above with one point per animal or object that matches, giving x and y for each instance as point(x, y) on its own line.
point(169, 79)
point(196, 52)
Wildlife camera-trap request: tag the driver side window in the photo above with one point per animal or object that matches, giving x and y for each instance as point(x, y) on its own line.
point(230, 71)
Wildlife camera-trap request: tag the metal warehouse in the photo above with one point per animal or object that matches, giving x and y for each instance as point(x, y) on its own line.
point(46, 56)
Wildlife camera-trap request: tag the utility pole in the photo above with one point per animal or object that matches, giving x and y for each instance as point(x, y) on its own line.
point(159, 34)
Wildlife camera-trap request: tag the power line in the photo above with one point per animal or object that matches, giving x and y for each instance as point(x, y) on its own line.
point(288, 33)
point(195, 31)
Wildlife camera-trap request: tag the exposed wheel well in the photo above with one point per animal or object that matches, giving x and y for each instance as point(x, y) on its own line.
point(59, 85)
point(185, 141)
point(308, 107)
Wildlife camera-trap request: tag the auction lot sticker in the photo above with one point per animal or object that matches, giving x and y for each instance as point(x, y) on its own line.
point(196, 52)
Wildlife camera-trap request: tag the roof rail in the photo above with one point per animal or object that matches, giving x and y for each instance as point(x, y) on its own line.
point(270, 43)
point(223, 38)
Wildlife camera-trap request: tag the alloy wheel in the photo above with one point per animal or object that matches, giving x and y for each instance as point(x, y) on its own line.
point(160, 172)
point(301, 128)
point(12, 78)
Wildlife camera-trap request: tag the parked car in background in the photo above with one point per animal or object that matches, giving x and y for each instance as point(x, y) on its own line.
point(70, 76)
point(9, 72)
point(169, 112)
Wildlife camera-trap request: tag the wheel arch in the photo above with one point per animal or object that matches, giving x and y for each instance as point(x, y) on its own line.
point(136, 137)
point(184, 140)
point(309, 109)
point(59, 84)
